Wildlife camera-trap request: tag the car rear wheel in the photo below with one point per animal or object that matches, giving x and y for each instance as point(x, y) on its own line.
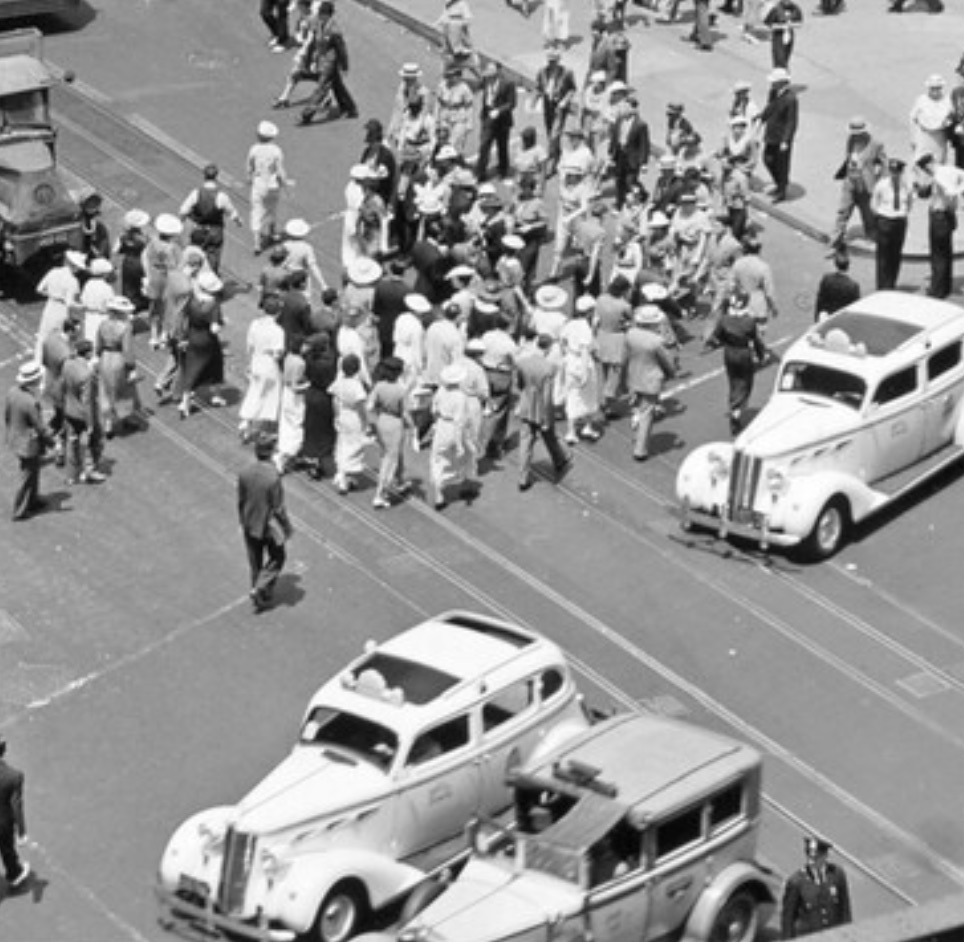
point(737, 921)
point(341, 914)
point(829, 531)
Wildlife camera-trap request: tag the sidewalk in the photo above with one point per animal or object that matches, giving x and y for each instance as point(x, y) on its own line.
point(863, 61)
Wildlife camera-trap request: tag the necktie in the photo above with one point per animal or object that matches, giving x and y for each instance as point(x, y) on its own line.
point(896, 185)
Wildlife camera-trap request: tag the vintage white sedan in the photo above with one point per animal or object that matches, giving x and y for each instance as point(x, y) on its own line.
point(395, 754)
point(642, 828)
point(867, 405)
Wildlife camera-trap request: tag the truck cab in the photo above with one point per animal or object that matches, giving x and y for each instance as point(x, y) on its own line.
point(37, 212)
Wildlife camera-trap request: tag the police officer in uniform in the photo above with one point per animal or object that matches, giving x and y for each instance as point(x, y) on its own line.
point(207, 207)
point(816, 897)
point(13, 828)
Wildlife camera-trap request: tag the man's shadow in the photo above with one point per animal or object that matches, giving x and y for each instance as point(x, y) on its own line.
point(34, 888)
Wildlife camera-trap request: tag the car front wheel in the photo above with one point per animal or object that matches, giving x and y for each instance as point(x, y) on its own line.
point(341, 915)
point(829, 531)
point(737, 921)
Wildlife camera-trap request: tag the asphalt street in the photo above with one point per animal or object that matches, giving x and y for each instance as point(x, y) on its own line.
point(136, 687)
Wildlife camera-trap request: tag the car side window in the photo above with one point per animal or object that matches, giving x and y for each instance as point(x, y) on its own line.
point(678, 832)
point(943, 360)
point(440, 740)
point(552, 682)
point(507, 703)
point(726, 806)
point(896, 385)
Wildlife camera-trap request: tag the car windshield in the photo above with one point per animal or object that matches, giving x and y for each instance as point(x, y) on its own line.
point(824, 381)
point(349, 733)
point(559, 861)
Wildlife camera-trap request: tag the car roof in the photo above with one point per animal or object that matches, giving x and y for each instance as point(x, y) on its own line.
point(452, 657)
point(655, 764)
point(867, 337)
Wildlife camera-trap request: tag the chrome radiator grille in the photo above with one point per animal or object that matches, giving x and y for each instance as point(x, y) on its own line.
point(744, 480)
point(238, 857)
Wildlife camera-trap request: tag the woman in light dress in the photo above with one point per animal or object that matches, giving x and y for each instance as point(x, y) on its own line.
point(390, 418)
point(450, 451)
point(291, 424)
point(931, 119)
point(61, 288)
point(114, 349)
point(349, 398)
point(580, 375)
point(94, 297)
point(266, 348)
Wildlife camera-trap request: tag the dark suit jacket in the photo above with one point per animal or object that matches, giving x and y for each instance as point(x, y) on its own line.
point(534, 376)
point(780, 118)
point(11, 800)
point(564, 91)
point(26, 435)
point(295, 319)
point(836, 291)
point(635, 152)
point(430, 265)
point(388, 301)
point(261, 497)
point(504, 103)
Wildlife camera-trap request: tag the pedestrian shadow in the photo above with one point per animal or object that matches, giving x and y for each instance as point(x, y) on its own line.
point(288, 591)
point(663, 443)
point(33, 889)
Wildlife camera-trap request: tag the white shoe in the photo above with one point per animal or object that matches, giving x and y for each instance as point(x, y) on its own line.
point(24, 873)
point(572, 438)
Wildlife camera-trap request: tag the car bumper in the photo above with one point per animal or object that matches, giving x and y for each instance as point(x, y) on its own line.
point(754, 528)
point(22, 246)
point(198, 921)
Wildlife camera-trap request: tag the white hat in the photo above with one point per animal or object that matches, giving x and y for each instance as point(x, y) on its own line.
point(742, 85)
point(364, 271)
point(267, 129)
point(168, 224)
point(418, 303)
point(75, 258)
point(452, 375)
point(136, 219)
point(429, 205)
point(598, 76)
point(778, 75)
point(120, 305)
point(618, 86)
point(297, 228)
point(447, 152)
point(410, 70)
point(488, 189)
point(739, 119)
point(29, 372)
point(513, 242)
point(475, 345)
point(460, 271)
point(935, 81)
point(658, 219)
point(361, 172)
point(551, 297)
point(648, 315)
point(654, 291)
point(100, 267)
point(209, 282)
point(585, 303)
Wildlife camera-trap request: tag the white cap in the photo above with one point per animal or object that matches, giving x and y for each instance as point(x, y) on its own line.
point(267, 129)
point(209, 282)
point(418, 303)
point(297, 228)
point(168, 224)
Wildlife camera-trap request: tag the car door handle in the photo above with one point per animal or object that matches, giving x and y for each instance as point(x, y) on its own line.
point(679, 888)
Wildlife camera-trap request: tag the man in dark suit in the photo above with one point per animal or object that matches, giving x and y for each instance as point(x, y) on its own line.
point(498, 105)
point(295, 316)
point(556, 88)
point(783, 18)
point(817, 896)
point(836, 289)
point(27, 437)
point(264, 521)
point(628, 148)
point(535, 376)
point(378, 155)
point(779, 119)
point(388, 301)
point(13, 827)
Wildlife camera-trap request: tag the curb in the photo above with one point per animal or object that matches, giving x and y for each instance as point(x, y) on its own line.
point(433, 35)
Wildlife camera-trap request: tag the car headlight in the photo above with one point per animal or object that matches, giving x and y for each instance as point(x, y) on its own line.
point(212, 839)
point(719, 466)
point(777, 482)
point(272, 865)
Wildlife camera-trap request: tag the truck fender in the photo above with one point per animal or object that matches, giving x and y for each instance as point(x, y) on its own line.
point(555, 737)
point(762, 883)
point(301, 888)
point(184, 853)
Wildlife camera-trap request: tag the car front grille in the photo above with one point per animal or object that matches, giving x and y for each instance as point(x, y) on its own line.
point(745, 473)
point(238, 857)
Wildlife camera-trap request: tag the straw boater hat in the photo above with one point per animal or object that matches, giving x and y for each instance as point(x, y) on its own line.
point(410, 70)
point(29, 372)
point(513, 242)
point(654, 292)
point(447, 152)
point(418, 303)
point(136, 219)
point(648, 315)
point(120, 305)
point(267, 130)
point(167, 224)
point(551, 297)
point(297, 228)
point(452, 375)
point(460, 271)
point(364, 271)
point(100, 268)
point(75, 259)
point(209, 282)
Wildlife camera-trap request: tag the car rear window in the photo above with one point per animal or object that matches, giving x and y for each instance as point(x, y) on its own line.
point(419, 684)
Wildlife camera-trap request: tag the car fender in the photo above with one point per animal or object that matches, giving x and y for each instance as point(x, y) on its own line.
point(302, 886)
point(758, 880)
point(555, 736)
point(695, 480)
point(186, 853)
point(796, 511)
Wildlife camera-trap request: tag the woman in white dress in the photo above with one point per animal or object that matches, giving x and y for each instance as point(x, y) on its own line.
point(95, 295)
point(266, 347)
point(580, 375)
point(291, 425)
point(349, 398)
point(61, 288)
point(931, 119)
